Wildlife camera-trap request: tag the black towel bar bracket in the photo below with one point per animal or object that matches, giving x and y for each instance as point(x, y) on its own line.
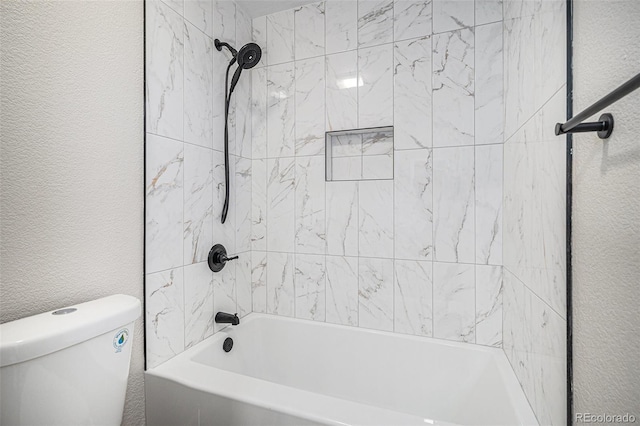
point(604, 125)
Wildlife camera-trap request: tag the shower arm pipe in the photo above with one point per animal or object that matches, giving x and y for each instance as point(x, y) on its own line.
point(604, 125)
point(219, 45)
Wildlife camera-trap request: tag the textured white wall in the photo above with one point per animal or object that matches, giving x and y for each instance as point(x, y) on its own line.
point(606, 213)
point(72, 160)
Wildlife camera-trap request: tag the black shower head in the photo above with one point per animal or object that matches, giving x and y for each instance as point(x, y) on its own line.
point(249, 55)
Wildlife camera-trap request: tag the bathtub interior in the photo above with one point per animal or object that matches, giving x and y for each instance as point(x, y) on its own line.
point(421, 377)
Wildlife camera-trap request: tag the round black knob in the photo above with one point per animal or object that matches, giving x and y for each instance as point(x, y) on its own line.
point(218, 258)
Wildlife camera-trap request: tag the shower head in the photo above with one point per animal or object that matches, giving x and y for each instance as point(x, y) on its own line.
point(249, 55)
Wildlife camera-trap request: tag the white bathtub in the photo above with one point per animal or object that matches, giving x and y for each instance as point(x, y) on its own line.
point(284, 371)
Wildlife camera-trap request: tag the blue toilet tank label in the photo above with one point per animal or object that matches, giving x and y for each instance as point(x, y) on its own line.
point(120, 339)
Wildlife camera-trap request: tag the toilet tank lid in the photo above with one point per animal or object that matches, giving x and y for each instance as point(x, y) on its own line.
point(42, 334)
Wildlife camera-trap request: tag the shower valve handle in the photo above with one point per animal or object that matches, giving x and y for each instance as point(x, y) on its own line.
point(218, 258)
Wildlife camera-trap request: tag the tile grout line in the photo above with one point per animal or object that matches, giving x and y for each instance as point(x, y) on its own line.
point(295, 168)
point(184, 162)
point(358, 184)
point(535, 293)
point(250, 153)
point(267, 72)
point(391, 258)
point(433, 210)
point(502, 196)
point(393, 165)
point(324, 182)
point(475, 172)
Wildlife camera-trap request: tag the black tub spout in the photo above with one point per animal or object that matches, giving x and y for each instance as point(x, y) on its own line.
point(225, 318)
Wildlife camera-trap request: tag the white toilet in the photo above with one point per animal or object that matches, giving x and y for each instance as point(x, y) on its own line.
point(69, 366)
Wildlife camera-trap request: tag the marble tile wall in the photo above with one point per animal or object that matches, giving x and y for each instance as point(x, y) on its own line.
point(534, 207)
point(420, 254)
point(185, 173)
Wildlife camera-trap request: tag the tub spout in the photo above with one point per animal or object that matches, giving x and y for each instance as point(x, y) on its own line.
point(225, 318)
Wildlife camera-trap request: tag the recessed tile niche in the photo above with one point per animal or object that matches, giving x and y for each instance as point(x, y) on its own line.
point(360, 154)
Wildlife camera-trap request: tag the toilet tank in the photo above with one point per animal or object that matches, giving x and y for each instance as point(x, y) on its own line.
point(69, 366)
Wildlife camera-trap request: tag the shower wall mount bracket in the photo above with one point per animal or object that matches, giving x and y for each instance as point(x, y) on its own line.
point(219, 44)
point(603, 127)
point(217, 258)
